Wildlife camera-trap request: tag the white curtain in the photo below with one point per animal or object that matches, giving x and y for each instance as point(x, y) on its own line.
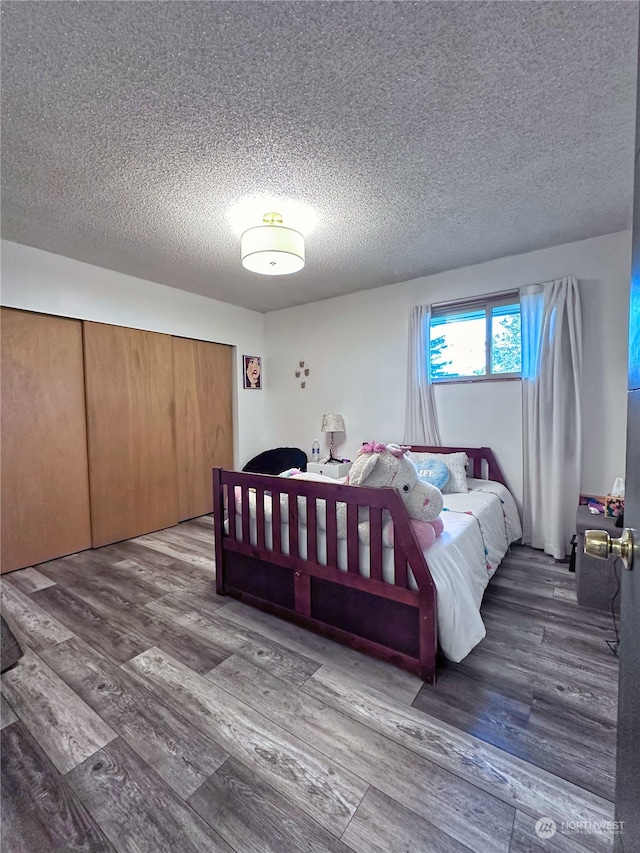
point(551, 414)
point(420, 424)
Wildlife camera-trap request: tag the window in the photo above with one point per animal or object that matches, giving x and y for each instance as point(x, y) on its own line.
point(476, 339)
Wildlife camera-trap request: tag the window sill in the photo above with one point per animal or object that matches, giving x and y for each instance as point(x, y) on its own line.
point(469, 380)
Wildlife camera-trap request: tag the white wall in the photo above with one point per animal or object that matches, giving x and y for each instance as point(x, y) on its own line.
point(356, 349)
point(40, 281)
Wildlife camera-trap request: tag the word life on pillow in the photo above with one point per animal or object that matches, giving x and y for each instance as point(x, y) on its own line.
point(434, 472)
point(456, 464)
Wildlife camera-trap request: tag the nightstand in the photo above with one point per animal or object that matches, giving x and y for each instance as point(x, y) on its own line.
point(330, 469)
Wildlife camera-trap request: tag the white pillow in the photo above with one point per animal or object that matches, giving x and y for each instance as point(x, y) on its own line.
point(455, 462)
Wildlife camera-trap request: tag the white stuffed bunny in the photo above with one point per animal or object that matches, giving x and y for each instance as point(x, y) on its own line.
point(378, 465)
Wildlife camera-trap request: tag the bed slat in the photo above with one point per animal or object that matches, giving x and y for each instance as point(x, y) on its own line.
point(245, 516)
point(276, 530)
point(400, 567)
point(353, 541)
point(375, 538)
point(332, 534)
point(293, 525)
point(312, 530)
point(260, 517)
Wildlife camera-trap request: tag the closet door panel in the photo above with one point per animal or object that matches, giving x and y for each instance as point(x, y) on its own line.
point(130, 419)
point(45, 485)
point(204, 432)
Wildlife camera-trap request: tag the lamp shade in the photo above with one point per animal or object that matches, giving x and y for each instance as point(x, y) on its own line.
point(272, 250)
point(332, 423)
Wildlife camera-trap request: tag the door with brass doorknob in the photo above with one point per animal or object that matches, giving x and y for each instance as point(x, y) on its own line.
point(599, 544)
point(627, 807)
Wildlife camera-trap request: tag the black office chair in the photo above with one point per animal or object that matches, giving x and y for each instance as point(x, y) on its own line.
point(277, 460)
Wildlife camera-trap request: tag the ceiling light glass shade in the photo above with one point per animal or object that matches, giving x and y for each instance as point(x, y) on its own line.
point(272, 250)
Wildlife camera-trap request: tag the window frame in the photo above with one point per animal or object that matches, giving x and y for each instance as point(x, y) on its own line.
point(460, 306)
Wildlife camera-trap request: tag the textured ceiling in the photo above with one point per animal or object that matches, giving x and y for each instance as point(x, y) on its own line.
point(424, 136)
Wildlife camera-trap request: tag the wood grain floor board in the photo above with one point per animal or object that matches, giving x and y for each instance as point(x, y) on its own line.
point(193, 650)
point(7, 714)
point(550, 661)
point(505, 627)
point(98, 573)
point(192, 533)
point(286, 664)
point(558, 753)
point(550, 608)
point(537, 587)
point(165, 572)
point(107, 637)
point(37, 627)
point(193, 552)
point(40, 812)
point(98, 590)
point(587, 648)
point(528, 556)
point(200, 525)
point(587, 755)
point(565, 594)
point(532, 618)
point(130, 621)
point(254, 818)
point(137, 810)
point(64, 726)
point(319, 786)
point(174, 748)
point(443, 798)
point(535, 700)
point(200, 541)
point(517, 782)
point(473, 706)
point(381, 824)
point(532, 571)
point(397, 683)
point(525, 839)
point(29, 580)
point(207, 604)
point(200, 521)
point(559, 722)
point(554, 680)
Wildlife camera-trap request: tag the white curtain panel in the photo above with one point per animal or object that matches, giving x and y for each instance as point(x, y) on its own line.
point(551, 413)
point(420, 424)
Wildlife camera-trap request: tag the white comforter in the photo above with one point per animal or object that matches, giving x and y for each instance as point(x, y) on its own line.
point(479, 526)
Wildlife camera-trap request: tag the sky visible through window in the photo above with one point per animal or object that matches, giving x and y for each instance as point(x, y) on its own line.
point(458, 343)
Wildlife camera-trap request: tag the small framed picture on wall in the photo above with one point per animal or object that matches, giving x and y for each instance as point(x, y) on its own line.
point(252, 371)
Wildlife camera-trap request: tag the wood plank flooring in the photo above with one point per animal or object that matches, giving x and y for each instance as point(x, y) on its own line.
point(149, 714)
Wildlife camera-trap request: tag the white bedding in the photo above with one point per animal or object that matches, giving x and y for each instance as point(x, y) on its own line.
point(479, 526)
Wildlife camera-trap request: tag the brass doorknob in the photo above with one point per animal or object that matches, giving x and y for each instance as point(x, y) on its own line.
point(598, 543)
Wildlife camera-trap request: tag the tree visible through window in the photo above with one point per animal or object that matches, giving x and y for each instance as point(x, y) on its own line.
point(476, 340)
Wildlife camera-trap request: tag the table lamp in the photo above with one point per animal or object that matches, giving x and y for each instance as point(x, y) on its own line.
point(332, 424)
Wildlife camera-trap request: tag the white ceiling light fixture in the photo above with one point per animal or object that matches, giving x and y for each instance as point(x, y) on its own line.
point(272, 249)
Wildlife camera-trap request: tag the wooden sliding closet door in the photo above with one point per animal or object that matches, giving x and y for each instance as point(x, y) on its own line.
point(130, 420)
point(204, 434)
point(45, 485)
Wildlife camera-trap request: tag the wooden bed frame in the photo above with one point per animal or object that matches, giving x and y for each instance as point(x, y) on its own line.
point(387, 620)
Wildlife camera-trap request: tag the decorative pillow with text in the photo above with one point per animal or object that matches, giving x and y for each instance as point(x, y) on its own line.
point(455, 462)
